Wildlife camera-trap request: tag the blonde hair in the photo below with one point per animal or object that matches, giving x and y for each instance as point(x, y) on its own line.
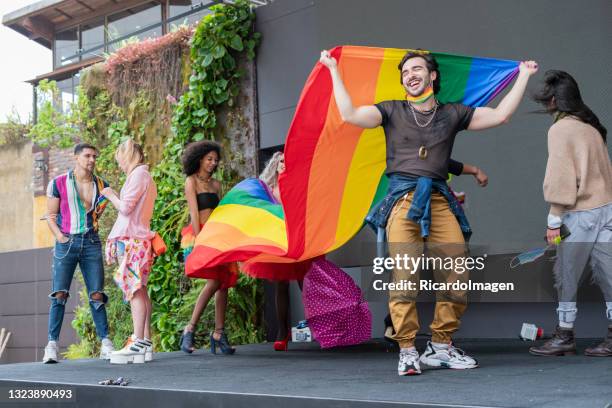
point(130, 151)
point(269, 175)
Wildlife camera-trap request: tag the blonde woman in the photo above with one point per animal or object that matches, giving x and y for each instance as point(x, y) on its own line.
point(280, 274)
point(129, 244)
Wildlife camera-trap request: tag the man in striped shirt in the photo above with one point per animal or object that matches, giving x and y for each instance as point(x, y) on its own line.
point(74, 204)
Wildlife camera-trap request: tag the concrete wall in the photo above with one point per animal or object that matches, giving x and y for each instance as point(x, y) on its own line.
point(16, 197)
point(41, 236)
point(25, 171)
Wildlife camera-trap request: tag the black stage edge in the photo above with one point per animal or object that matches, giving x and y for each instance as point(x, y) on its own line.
point(361, 376)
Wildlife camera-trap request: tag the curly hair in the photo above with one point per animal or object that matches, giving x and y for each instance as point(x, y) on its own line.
point(194, 152)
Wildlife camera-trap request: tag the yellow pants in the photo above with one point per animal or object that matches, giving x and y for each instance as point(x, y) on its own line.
point(445, 241)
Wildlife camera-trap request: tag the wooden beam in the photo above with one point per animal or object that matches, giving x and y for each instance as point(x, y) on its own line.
point(102, 11)
point(85, 5)
point(63, 13)
point(39, 27)
point(66, 71)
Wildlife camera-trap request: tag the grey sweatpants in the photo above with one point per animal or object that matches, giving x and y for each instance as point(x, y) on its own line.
point(590, 239)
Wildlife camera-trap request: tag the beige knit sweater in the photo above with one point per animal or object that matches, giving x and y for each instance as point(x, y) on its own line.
point(578, 172)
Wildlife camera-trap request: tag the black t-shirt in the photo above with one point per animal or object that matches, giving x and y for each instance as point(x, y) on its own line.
point(404, 138)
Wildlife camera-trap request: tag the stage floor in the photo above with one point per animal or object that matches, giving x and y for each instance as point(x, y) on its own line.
point(306, 376)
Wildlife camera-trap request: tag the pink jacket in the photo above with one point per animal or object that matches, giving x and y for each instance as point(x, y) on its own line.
point(137, 199)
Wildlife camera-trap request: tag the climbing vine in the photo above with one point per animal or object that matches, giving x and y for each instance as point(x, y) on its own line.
point(215, 46)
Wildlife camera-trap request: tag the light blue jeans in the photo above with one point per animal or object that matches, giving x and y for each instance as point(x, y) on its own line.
point(84, 250)
point(590, 240)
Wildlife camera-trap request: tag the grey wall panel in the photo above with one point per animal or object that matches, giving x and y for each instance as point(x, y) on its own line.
point(24, 304)
point(273, 127)
point(504, 320)
point(18, 298)
point(510, 214)
point(25, 354)
point(18, 355)
point(8, 270)
point(28, 298)
point(284, 60)
point(31, 331)
point(25, 266)
point(280, 9)
point(14, 269)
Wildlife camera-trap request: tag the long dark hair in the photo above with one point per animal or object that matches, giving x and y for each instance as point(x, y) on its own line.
point(564, 88)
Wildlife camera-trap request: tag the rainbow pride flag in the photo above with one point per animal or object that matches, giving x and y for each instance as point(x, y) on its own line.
point(335, 171)
point(248, 223)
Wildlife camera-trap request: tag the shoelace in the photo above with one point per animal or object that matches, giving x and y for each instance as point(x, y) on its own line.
point(456, 351)
point(406, 357)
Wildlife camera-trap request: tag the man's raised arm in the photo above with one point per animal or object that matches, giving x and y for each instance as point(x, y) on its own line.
point(485, 118)
point(367, 116)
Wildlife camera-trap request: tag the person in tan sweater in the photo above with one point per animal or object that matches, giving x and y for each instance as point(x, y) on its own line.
point(578, 187)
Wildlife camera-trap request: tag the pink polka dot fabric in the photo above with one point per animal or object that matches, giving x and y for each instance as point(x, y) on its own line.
point(335, 309)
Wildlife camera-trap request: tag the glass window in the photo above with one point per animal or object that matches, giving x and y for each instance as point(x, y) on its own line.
point(67, 93)
point(134, 19)
point(66, 45)
point(178, 7)
point(92, 38)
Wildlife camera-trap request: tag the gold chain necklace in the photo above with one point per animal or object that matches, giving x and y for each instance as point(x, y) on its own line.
point(202, 179)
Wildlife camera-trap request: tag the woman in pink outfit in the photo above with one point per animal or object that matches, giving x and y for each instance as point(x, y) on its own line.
point(129, 244)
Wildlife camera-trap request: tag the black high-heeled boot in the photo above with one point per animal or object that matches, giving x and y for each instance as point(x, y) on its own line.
point(222, 343)
point(187, 342)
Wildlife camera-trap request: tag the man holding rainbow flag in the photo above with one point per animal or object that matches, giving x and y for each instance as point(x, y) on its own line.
point(419, 208)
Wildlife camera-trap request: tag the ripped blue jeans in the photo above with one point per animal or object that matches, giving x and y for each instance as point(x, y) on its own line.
point(84, 250)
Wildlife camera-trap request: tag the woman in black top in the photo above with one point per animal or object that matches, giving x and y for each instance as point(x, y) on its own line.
point(202, 191)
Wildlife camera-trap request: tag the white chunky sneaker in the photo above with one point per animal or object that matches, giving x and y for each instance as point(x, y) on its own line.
point(447, 357)
point(106, 349)
point(408, 363)
point(148, 346)
point(133, 352)
point(148, 350)
point(50, 353)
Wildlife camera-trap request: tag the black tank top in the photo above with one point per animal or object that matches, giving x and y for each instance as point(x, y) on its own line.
point(207, 200)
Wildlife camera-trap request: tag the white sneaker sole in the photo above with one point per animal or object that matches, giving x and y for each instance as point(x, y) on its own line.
point(105, 356)
point(50, 361)
point(409, 372)
point(432, 362)
point(126, 359)
point(149, 356)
